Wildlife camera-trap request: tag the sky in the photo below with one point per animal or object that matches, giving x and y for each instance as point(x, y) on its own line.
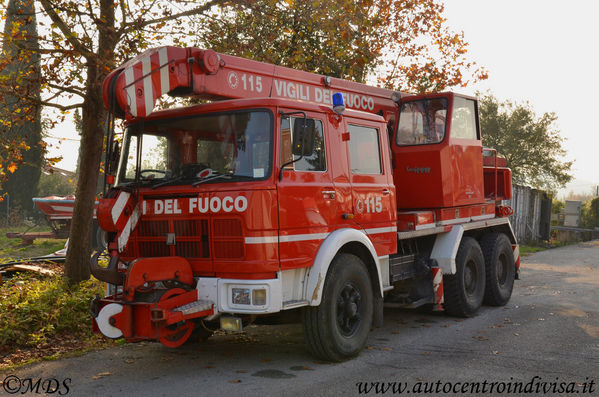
point(544, 52)
point(541, 51)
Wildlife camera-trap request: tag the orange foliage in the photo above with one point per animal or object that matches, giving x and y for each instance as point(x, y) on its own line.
point(406, 44)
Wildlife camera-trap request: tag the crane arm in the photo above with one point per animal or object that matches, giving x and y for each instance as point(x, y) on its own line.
point(131, 90)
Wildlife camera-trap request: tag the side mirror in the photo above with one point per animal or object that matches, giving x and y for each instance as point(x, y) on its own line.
point(303, 136)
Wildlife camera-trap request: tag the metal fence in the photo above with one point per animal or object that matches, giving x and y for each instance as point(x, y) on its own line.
point(532, 213)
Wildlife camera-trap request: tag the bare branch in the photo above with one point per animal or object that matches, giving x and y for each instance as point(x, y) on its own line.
point(195, 11)
point(62, 107)
point(66, 31)
point(72, 90)
point(123, 11)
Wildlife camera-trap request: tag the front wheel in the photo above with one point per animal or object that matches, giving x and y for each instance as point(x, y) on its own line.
point(465, 289)
point(337, 329)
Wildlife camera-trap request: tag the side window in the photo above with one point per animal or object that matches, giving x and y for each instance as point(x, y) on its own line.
point(364, 150)
point(463, 121)
point(313, 162)
point(422, 122)
point(131, 153)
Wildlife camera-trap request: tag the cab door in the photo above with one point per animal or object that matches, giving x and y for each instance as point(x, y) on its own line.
point(373, 192)
point(306, 194)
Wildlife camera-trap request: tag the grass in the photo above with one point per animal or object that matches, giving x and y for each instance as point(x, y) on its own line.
point(526, 250)
point(41, 317)
point(13, 248)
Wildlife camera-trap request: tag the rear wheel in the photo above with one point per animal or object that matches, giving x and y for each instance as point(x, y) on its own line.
point(337, 329)
point(500, 268)
point(465, 289)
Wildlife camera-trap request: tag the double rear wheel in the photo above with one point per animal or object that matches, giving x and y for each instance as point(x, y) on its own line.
point(484, 274)
point(500, 269)
point(464, 290)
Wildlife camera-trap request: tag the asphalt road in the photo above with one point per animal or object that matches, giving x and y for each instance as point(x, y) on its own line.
point(545, 341)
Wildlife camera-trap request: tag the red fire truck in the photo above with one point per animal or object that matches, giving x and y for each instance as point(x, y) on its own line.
point(290, 191)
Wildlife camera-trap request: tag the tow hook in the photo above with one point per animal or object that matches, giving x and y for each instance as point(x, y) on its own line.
point(109, 274)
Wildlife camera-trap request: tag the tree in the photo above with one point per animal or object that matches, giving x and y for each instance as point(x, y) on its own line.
point(405, 42)
point(20, 110)
point(589, 216)
point(83, 42)
point(531, 144)
point(55, 183)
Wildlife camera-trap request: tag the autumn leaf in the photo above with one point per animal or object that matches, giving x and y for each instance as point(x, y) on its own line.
point(101, 375)
point(12, 167)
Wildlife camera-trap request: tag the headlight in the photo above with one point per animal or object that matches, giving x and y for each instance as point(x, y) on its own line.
point(241, 296)
point(259, 297)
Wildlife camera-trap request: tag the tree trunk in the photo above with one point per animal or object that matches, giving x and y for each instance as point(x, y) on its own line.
point(93, 120)
point(78, 254)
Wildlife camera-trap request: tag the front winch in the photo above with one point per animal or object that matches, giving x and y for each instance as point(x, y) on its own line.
point(158, 301)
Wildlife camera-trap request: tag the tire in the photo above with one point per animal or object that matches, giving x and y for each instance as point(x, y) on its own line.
point(337, 329)
point(464, 290)
point(201, 332)
point(500, 269)
point(98, 237)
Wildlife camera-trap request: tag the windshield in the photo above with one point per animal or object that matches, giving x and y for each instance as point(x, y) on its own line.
point(202, 148)
point(422, 122)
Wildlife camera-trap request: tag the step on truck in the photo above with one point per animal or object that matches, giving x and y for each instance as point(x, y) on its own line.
point(284, 191)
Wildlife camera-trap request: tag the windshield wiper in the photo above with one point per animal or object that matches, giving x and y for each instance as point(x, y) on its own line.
point(212, 178)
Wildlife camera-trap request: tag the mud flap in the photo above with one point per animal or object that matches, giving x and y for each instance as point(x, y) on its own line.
point(377, 318)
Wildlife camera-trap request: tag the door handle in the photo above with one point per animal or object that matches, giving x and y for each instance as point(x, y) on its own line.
point(330, 193)
point(386, 191)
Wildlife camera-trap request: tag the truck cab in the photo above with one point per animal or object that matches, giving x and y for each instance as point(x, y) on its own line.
point(224, 186)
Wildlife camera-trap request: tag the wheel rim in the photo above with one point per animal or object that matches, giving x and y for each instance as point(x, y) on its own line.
point(470, 277)
point(348, 310)
point(502, 269)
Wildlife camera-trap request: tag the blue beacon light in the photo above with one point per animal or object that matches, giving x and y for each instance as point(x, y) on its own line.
point(338, 105)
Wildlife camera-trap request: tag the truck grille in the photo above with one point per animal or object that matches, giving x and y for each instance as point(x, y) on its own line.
point(192, 239)
point(228, 239)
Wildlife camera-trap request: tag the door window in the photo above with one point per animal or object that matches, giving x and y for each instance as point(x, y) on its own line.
point(364, 150)
point(316, 161)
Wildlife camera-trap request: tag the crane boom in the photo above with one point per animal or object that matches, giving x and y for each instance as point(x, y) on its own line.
point(206, 74)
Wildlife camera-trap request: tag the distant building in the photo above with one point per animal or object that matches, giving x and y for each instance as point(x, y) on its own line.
point(572, 213)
